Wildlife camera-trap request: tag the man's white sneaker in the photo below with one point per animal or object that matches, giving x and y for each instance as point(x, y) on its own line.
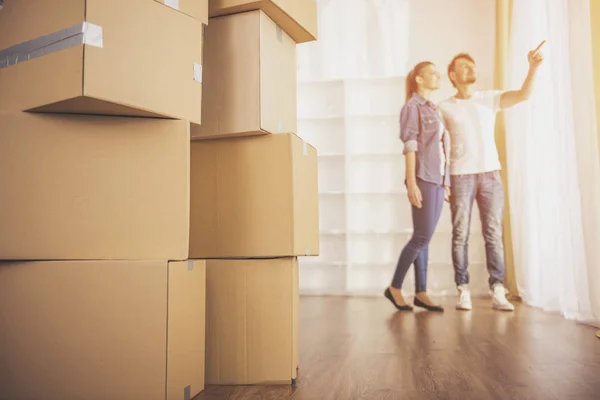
point(499, 301)
point(464, 299)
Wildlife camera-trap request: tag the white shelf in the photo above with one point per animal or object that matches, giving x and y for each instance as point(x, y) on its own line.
point(399, 79)
point(373, 134)
point(390, 193)
point(395, 193)
point(326, 135)
point(332, 193)
point(307, 262)
point(324, 100)
point(331, 155)
point(390, 176)
point(332, 175)
point(375, 155)
point(322, 119)
point(319, 278)
point(333, 232)
point(402, 232)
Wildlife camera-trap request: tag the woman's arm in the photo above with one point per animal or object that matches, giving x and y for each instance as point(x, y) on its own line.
point(409, 130)
point(414, 193)
point(409, 127)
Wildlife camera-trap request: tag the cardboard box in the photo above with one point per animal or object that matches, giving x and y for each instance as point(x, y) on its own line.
point(108, 57)
point(251, 321)
point(91, 187)
point(249, 78)
point(253, 198)
point(197, 9)
point(297, 17)
point(102, 330)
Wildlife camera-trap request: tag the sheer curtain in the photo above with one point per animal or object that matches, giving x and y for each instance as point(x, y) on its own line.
point(350, 91)
point(553, 164)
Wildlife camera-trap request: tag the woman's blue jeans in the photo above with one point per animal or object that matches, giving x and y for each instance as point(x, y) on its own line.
point(416, 251)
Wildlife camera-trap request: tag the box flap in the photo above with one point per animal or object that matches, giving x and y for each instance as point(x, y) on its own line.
point(297, 17)
point(197, 9)
point(306, 197)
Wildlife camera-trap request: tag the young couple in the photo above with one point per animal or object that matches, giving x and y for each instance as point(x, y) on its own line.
point(451, 155)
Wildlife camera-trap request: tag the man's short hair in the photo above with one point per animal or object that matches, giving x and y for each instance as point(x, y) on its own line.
point(466, 56)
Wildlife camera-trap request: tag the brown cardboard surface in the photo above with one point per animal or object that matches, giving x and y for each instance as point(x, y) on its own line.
point(186, 328)
point(297, 17)
point(101, 330)
point(91, 187)
point(197, 9)
point(252, 321)
point(249, 78)
point(140, 70)
point(254, 197)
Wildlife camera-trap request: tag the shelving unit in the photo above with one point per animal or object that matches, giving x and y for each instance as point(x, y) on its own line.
point(365, 216)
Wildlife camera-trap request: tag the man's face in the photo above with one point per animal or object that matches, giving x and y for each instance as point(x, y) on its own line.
point(465, 72)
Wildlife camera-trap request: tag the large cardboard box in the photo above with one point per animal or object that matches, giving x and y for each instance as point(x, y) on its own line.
point(252, 321)
point(297, 17)
point(100, 330)
point(197, 9)
point(109, 57)
point(254, 197)
point(91, 187)
point(249, 78)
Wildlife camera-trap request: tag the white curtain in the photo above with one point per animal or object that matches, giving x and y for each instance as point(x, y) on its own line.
point(553, 165)
point(350, 91)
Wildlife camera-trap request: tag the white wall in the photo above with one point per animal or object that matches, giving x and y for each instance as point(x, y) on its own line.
point(453, 26)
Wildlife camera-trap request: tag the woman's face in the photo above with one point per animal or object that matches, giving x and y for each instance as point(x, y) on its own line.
point(429, 78)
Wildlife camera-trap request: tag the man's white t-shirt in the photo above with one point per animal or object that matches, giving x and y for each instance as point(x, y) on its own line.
point(471, 123)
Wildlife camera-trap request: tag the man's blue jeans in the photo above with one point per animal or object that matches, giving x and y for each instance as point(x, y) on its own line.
point(487, 190)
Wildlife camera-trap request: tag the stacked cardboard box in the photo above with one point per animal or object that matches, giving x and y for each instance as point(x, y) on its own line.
point(254, 197)
point(98, 299)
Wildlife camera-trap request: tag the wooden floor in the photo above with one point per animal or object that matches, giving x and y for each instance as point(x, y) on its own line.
point(360, 348)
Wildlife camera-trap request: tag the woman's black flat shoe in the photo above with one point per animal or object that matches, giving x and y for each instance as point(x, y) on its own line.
point(419, 303)
point(388, 294)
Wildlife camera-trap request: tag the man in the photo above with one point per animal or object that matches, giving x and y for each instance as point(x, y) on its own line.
point(470, 118)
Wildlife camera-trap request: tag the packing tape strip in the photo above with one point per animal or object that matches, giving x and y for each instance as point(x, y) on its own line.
point(198, 72)
point(172, 3)
point(93, 35)
point(84, 33)
point(190, 265)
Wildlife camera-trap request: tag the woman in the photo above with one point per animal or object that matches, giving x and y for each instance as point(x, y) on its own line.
point(426, 148)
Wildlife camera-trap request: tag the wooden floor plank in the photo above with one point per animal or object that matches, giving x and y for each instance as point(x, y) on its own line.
point(360, 348)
